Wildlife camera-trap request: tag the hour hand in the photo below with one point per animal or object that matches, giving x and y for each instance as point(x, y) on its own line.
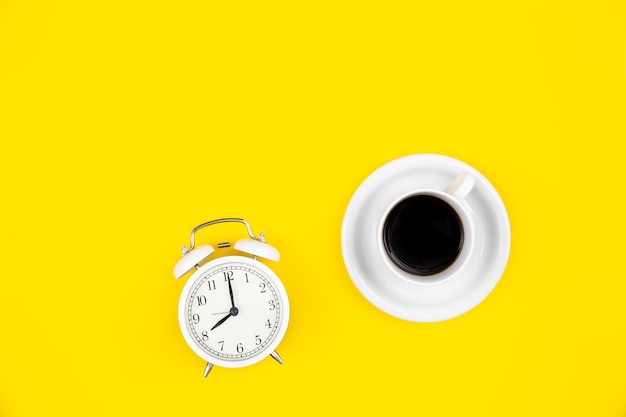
point(222, 320)
point(233, 312)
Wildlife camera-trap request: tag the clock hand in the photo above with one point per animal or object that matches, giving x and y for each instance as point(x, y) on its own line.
point(233, 310)
point(222, 320)
point(232, 297)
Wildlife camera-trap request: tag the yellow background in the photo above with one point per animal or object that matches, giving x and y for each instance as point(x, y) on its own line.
point(123, 124)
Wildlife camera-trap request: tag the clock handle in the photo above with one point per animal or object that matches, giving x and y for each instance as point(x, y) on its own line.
point(260, 238)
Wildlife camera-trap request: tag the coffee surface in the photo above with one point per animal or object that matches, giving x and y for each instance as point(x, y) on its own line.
point(423, 235)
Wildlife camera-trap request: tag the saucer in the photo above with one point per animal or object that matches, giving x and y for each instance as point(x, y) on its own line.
point(415, 301)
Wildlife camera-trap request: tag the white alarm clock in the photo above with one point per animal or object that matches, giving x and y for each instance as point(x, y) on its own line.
point(233, 310)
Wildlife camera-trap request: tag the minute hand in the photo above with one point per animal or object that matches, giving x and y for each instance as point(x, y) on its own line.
point(232, 297)
point(233, 310)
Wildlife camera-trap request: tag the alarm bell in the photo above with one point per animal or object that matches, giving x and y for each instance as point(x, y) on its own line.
point(258, 248)
point(191, 259)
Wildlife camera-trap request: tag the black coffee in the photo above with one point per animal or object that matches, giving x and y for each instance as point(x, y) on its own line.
point(423, 235)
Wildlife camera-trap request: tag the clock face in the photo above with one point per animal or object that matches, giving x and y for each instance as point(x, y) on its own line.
point(233, 311)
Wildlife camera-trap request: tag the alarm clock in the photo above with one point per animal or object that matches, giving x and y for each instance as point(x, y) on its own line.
point(233, 310)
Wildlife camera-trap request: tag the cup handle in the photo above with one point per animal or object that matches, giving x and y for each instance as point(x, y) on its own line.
point(461, 186)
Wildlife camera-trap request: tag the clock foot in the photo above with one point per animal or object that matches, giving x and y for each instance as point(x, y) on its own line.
point(208, 368)
point(276, 356)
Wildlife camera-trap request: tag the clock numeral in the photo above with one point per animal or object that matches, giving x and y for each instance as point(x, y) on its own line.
point(195, 318)
point(205, 335)
point(211, 284)
point(262, 287)
point(247, 280)
point(228, 275)
point(201, 300)
point(268, 324)
point(239, 348)
point(221, 343)
point(272, 305)
point(257, 339)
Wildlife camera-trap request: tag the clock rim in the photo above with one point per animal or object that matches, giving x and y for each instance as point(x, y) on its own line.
point(190, 340)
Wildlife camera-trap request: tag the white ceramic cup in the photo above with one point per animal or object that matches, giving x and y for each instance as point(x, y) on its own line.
point(454, 195)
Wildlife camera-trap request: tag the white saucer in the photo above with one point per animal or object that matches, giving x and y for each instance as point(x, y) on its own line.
point(411, 300)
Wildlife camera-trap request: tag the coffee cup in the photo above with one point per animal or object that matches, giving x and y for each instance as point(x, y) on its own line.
point(427, 235)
